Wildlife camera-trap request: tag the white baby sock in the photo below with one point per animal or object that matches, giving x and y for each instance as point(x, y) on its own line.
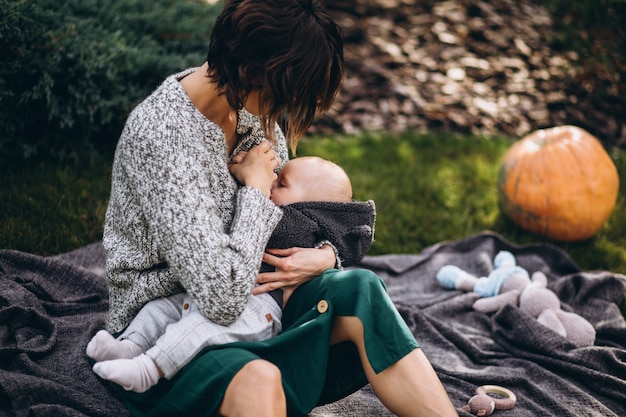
point(103, 347)
point(137, 374)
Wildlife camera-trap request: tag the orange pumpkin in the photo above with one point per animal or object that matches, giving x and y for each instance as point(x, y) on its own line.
point(559, 183)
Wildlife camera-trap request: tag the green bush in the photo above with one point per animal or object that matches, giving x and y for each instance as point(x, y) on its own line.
point(71, 71)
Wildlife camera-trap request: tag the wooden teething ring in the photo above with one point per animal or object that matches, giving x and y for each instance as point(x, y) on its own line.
point(496, 389)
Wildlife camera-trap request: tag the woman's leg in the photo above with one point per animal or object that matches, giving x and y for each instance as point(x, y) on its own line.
point(255, 391)
point(409, 388)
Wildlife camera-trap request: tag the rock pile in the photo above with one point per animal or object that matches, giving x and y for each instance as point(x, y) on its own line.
point(467, 66)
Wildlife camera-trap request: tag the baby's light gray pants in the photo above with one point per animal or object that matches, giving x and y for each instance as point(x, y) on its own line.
point(172, 331)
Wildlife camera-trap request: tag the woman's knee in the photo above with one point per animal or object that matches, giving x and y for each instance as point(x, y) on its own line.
point(263, 371)
point(256, 387)
point(263, 376)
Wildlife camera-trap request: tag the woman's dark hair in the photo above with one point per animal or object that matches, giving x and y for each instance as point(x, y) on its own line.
point(289, 50)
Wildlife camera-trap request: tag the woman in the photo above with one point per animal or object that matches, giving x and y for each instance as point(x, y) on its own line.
point(178, 220)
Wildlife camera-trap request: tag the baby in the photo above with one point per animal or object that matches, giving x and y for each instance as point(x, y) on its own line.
point(167, 333)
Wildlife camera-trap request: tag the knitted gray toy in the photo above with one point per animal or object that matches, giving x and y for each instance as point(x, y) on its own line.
point(511, 284)
point(482, 404)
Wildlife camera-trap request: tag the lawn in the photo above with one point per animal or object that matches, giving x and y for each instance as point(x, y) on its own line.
point(430, 188)
point(427, 188)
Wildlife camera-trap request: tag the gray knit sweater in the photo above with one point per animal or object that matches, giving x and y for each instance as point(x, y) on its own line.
point(177, 220)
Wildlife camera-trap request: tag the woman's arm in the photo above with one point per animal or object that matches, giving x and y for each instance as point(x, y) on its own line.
point(294, 267)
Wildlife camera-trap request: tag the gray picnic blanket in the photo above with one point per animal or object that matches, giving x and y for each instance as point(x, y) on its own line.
point(50, 307)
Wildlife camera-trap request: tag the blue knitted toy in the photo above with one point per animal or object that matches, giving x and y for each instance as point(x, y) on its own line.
point(454, 278)
point(509, 283)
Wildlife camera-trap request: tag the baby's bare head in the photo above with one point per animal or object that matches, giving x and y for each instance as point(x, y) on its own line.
point(310, 178)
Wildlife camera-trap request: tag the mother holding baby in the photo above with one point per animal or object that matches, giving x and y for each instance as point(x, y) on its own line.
point(189, 212)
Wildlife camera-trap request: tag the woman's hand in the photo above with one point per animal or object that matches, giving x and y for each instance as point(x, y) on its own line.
point(255, 168)
point(294, 267)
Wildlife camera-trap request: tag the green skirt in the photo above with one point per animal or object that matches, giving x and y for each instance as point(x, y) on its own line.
point(313, 372)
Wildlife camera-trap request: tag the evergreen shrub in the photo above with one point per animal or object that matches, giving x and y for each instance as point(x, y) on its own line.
point(71, 71)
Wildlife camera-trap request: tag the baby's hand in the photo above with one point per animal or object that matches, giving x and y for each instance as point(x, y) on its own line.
point(255, 168)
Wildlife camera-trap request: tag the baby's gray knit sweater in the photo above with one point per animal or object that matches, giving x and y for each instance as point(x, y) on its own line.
point(177, 220)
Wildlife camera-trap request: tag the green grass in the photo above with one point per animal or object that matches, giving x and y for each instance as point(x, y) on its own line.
point(48, 209)
point(430, 188)
point(427, 189)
